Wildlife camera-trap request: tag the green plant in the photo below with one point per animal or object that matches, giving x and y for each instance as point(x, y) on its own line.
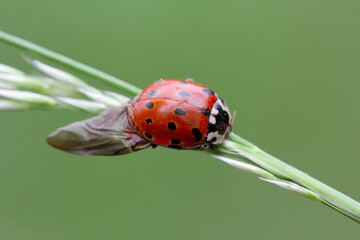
point(58, 89)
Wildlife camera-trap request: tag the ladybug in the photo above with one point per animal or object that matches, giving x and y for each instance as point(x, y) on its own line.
point(171, 113)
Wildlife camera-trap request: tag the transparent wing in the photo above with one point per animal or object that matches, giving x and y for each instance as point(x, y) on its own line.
point(109, 133)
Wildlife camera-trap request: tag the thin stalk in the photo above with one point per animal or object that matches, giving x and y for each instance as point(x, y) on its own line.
point(68, 62)
point(330, 196)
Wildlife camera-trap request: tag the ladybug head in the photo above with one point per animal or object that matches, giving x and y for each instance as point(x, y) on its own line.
point(220, 121)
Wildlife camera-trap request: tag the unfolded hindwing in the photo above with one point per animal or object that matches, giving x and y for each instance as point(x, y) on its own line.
point(109, 133)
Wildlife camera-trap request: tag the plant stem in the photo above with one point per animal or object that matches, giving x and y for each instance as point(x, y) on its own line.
point(331, 197)
point(68, 62)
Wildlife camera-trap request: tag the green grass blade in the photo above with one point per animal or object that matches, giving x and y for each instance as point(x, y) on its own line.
point(70, 63)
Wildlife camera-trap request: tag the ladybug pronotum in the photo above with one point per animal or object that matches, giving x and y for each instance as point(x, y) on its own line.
point(170, 113)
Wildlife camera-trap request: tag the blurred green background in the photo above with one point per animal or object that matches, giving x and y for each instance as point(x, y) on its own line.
point(289, 68)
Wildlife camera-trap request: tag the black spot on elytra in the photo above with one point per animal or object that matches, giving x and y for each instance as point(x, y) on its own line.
point(148, 121)
point(180, 112)
point(174, 146)
point(152, 93)
point(183, 83)
point(184, 94)
point(171, 126)
point(205, 111)
point(197, 134)
point(175, 141)
point(148, 135)
point(207, 91)
point(149, 105)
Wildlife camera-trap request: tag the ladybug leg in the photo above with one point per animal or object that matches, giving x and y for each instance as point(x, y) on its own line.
point(197, 148)
point(210, 145)
point(154, 145)
point(206, 144)
point(190, 80)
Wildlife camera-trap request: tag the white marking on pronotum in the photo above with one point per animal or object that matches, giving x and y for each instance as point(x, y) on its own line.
point(225, 108)
point(212, 120)
point(219, 138)
point(221, 104)
point(215, 111)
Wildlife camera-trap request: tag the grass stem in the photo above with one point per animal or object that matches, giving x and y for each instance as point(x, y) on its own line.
point(68, 62)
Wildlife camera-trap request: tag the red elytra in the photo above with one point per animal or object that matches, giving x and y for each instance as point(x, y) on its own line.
point(173, 113)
